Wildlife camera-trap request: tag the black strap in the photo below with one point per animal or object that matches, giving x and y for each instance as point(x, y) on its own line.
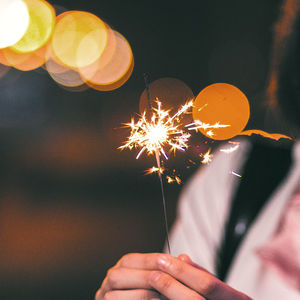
point(265, 168)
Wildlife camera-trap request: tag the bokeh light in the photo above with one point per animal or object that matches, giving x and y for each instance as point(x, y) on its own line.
point(68, 78)
point(116, 84)
point(225, 104)
point(37, 59)
point(77, 48)
point(23, 61)
point(89, 71)
point(14, 21)
point(41, 24)
point(171, 92)
point(79, 38)
point(114, 69)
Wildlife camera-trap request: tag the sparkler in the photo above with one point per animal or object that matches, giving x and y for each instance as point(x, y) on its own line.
point(155, 136)
point(162, 133)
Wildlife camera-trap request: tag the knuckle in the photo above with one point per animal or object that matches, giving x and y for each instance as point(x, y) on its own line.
point(98, 295)
point(209, 287)
point(125, 259)
point(111, 295)
point(164, 282)
point(160, 256)
point(175, 267)
point(112, 277)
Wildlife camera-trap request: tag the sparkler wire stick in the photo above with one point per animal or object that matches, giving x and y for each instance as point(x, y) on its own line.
point(164, 200)
point(146, 77)
point(146, 80)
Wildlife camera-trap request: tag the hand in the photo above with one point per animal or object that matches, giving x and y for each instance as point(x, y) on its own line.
point(156, 276)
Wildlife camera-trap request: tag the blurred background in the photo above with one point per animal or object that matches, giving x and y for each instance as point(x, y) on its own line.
point(71, 203)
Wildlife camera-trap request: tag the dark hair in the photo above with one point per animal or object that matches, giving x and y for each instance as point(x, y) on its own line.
point(284, 83)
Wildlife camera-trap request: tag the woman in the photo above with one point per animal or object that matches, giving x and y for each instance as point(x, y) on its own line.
point(254, 248)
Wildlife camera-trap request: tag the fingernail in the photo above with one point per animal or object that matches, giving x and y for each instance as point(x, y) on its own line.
point(154, 276)
point(163, 263)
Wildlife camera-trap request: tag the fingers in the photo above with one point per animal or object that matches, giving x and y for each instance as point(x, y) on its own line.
point(146, 261)
point(171, 288)
point(138, 294)
point(199, 280)
point(119, 278)
point(125, 278)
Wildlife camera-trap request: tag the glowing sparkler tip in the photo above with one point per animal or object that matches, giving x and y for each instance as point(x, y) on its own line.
point(160, 132)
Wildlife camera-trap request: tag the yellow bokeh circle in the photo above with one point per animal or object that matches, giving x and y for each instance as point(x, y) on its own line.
point(79, 38)
point(41, 24)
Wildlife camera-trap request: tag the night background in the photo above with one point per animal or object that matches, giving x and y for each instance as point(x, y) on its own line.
point(71, 203)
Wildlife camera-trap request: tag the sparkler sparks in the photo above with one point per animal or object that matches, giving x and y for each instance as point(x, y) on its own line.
point(231, 149)
point(175, 179)
point(154, 170)
point(201, 125)
point(160, 132)
point(207, 157)
point(236, 174)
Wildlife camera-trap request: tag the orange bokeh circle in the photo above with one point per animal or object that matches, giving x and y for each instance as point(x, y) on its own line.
point(224, 104)
point(113, 68)
point(116, 84)
point(23, 61)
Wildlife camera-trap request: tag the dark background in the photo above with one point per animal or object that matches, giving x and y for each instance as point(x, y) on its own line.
point(70, 202)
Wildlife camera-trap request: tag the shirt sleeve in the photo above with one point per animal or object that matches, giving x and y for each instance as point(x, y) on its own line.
point(203, 208)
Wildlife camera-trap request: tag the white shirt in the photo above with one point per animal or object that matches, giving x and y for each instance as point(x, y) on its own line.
point(202, 212)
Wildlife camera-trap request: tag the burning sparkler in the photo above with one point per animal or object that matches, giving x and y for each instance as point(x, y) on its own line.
point(155, 135)
point(160, 132)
